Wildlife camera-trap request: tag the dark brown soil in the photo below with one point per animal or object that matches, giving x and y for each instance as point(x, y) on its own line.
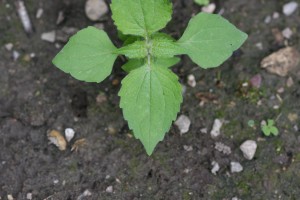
point(36, 97)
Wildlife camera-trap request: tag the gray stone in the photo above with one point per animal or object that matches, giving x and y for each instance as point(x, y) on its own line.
point(289, 8)
point(183, 123)
point(49, 36)
point(95, 9)
point(215, 132)
point(249, 148)
point(236, 167)
point(215, 168)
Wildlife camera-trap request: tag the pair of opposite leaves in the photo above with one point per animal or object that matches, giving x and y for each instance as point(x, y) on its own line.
point(150, 93)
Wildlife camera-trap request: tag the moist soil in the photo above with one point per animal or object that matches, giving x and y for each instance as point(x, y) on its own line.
point(36, 97)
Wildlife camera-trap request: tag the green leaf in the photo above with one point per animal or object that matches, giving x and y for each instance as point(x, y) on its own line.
point(166, 62)
point(136, 63)
point(133, 64)
point(266, 130)
point(164, 46)
point(137, 49)
point(150, 99)
point(202, 2)
point(88, 56)
point(274, 130)
point(141, 17)
point(210, 39)
point(270, 122)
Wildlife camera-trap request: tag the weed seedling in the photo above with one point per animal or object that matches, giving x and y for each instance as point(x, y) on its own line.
point(269, 128)
point(150, 93)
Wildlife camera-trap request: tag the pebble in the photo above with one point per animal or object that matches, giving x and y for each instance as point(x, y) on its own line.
point(95, 9)
point(275, 15)
point(99, 26)
point(39, 13)
point(259, 45)
point(289, 8)
point(223, 148)
point(29, 196)
point(210, 8)
point(183, 123)
point(203, 130)
point(109, 189)
point(248, 148)
point(49, 36)
point(191, 80)
point(16, 55)
point(69, 134)
point(10, 197)
point(86, 193)
point(57, 139)
point(188, 148)
point(287, 33)
point(65, 33)
point(289, 82)
point(268, 19)
point(60, 17)
point(236, 167)
point(215, 168)
point(282, 61)
point(9, 46)
point(215, 132)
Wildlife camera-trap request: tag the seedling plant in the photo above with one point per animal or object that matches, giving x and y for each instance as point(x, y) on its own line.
point(269, 128)
point(150, 93)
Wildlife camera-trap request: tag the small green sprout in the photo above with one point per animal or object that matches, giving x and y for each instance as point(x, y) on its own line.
point(151, 93)
point(269, 128)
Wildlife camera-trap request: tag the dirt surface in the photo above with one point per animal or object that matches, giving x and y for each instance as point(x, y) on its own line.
point(36, 97)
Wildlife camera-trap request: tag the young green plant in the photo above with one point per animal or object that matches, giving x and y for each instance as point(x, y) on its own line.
point(150, 93)
point(269, 128)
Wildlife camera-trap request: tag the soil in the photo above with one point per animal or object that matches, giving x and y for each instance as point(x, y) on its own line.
point(36, 97)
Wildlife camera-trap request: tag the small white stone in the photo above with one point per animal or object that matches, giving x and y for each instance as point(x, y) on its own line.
point(39, 13)
point(191, 80)
point(290, 8)
point(287, 33)
point(235, 198)
point(259, 45)
point(29, 196)
point(268, 19)
point(9, 46)
point(188, 148)
point(249, 148)
point(222, 148)
point(216, 167)
point(49, 36)
point(95, 9)
point(16, 55)
point(87, 193)
point(203, 130)
point(69, 133)
point(275, 15)
point(99, 26)
point(56, 181)
point(10, 197)
point(183, 123)
point(109, 189)
point(210, 8)
point(236, 167)
point(215, 132)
